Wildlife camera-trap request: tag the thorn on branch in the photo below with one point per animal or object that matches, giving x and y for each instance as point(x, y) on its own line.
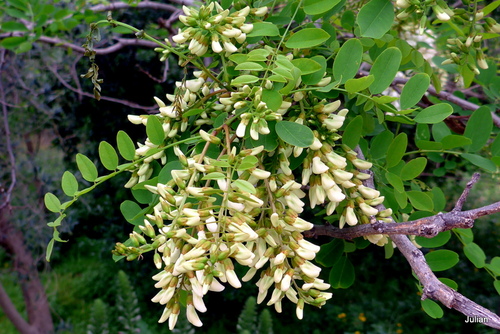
point(463, 197)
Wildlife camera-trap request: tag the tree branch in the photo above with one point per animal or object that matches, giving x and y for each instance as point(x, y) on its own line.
point(143, 4)
point(12, 314)
point(432, 287)
point(121, 43)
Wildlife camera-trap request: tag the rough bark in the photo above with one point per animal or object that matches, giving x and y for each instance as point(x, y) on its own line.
point(37, 307)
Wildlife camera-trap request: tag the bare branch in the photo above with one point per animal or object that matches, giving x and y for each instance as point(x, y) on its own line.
point(461, 200)
point(143, 4)
point(105, 98)
point(432, 287)
point(121, 43)
point(12, 314)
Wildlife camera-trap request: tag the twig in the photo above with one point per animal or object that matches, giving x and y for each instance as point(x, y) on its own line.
point(143, 4)
point(461, 200)
point(121, 43)
point(111, 99)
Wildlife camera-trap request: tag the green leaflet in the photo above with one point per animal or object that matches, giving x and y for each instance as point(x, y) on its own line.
point(356, 85)
point(342, 274)
point(86, 167)
point(264, 29)
point(396, 150)
point(375, 18)
point(108, 156)
point(125, 145)
point(414, 89)
point(420, 200)
point(413, 168)
point(352, 132)
point(475, 254)
point(442, 259)
point(69, 184)
point(438, 241)
point(348, 60)
point(384, 69)
point(307, 38)
point(432, 308)
point(294, 133)
point(434, 114)
point(479, 127)
point(52, 203)
point(315, 7)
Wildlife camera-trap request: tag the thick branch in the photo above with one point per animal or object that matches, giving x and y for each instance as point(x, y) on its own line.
point(12, 314)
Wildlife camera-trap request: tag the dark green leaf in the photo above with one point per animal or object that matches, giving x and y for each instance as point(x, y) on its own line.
point(414, 89)
point(348, 60)
point(380, 144)
point(108, 156)
point(442, 259)
point(375, 18)
point(330, 252)
point(384, 69)
point(12, 42)
point(413, 168)
point(130, 210)
point(475, 254)
point(13, 26)
point(342, 274)
point(154, 130)
point(480, 162)
point(52, 202)
point(479, 127)
point(395, 181)
point(69, 184)
point(125, 145)
point(307, 38)
point(496, 284)
point(294, 133)
point(452, 141)
point(352, 132)
point(314, 78)
point(86, 167)
point(437, 241)
point(396, 150)
point(272, 98)
point(434, 114)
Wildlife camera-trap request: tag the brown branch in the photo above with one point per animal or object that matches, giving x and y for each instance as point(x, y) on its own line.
point(143, 4)
point(432, 287)
point(12, 314)
point(105, 98)
point(121, 43)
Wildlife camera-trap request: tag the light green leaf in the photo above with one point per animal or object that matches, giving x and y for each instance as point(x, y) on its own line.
point(413, 168)
point(375, 18)
point(434, 114)
point(449, 282)
point(306, 65)
point(356, 85)
point(52, 202)
point(480, 162)
point(125, 145)
point(348, 60)
point(69, 184)
point(12, 42)
point(108, 156)
point(396, 150)
point(479, 127)
point(342, 274)
point(264, 29)
point(414, 90)
point(307, 38)
point(48, 252)
point(395, 181)
point(295, 134)
point(272, 98)
point(384, 69)
point(86, 167)
point(429, 145)
point(494, 265)
point(452, 141)
point(352, 132)
point(130, 210)
point(249, 66)
point(314, 78)
point(315, 7)
point(248, 162)
point(214, 176)
point(420, 200)
point(496, 284)
point(244, 79)
point(244, 186)
point(437, 241)
point(432, 308)
point(475, 254)
point(442, 259)
point(154, 130)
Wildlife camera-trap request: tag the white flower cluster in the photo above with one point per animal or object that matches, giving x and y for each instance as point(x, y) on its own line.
point(212, 25)
point(197, 241)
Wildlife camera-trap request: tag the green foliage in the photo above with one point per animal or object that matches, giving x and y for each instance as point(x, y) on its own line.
point(247, 144)
point(99, 322)
point(127, 305)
